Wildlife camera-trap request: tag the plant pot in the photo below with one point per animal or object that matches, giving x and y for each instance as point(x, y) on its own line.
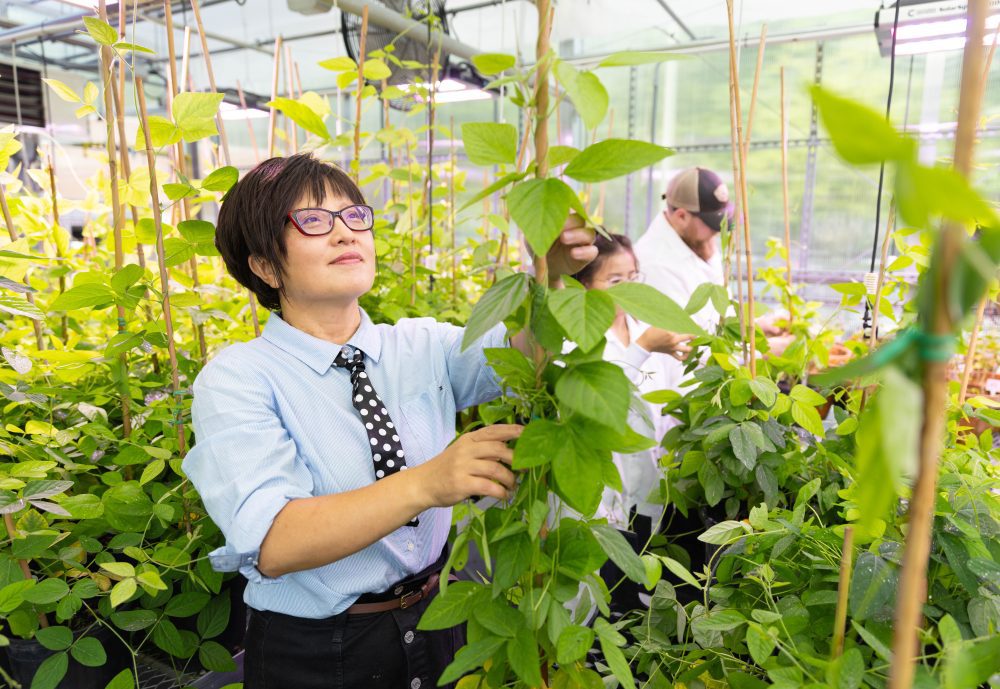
point(25, 656)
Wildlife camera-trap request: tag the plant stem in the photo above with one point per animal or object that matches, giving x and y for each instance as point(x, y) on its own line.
point(154, 193)
point(64, 321)
point(39, 337)
point(890, 226)
point(843, 589)
point(273, 121)
point(356, 163)
point(912, 590)
point(784, 196)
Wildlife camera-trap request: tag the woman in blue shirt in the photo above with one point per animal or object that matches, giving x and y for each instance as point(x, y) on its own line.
point(323, 445)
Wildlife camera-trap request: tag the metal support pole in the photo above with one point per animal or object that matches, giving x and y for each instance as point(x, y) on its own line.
point(809, 193)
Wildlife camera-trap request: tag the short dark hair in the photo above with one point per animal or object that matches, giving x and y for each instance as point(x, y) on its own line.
point(254, 213)
point(606, 247)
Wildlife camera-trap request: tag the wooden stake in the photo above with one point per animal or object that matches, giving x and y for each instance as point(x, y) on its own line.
point(291, 130)
point(223, 139)
point(751, 327)
point(784, 196)
point(732, 250)
point(912, 590)
point(253, 138)
point(108, 83)
point(756, 82)
point(154, 193)
point(298, 81)
point(843, 589)
point(545, 10)
point(451, 212)
point(182, 82)
point(356, 163)
point(970, 355)
point(64, 321)
point(273, 122)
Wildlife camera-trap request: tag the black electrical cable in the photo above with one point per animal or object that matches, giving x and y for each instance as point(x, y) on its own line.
point(866, 319)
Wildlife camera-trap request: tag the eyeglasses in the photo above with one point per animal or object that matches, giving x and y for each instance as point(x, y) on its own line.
point(618, 279)
point(315, 222)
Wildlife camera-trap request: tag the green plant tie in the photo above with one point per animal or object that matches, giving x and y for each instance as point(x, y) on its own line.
point(930, 347)
point(181, 392)
point(121, 325)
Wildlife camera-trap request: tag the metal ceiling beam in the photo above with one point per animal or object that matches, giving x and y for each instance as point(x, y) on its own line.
point(677, 20)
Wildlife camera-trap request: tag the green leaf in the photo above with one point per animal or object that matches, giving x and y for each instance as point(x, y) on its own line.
point(152, 470)
point(847, 671)
point(52, 670)
point(493, 188)
point(723, 532)
point(454, 606)
point(560, 155)
point(573, 644)
point(215, 657)
point(214, 617)
point(489, 64)
point(859, 134)
point(614, 158)
point(162, 132)
point(711, 480)
point(540, 441)
point(597, 390)
point(513, 556)
point(971, 663)
point(620, 552)
point(123, 680)
point(585, 315)
point(649, 305)
point(90, 294)
point(680, 571)
point(629, 58)
point(501, 300)
point(126, 277)
point(339, 64)
point(46, 592)
point(89, 651)
point(125, 46)
point(177, 251)
point(167, 638)
point(489, 143)
point(222, 179)
point(577, 473)
point(20, 307)
point(302, 115)
point(134, 620)
point(63, 91)
point(375, 69)
point(55, 638)
point(873, 585)
point(123, 570)
point(523, 655)
point(759, 643)
point(807, 395)
point(765, 390)
point(540, 208)
point(616, 661)
point(927, 193)
point(197, 231)
point(186, 604)
point(743, 446)
point(498, 616)
point(720, 620)
point(471, 657)
point(806, 416)
point(101, 31)
point(585, 90)
point(194, 114)
point(122, 591)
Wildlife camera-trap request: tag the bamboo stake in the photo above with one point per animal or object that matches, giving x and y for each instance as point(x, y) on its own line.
point(126, 163)
point(756, 82)
point(751, 327)
point(182, 82)
point(160, 252)
point(603, 188)
point(429, 202)
point(784, 196)
point(890, 226)
point(912, 590)
point(970, 355)
point(253, 138)
point(223, 139)
point(107, 77)
point(451, 213)
point(545, 10)
point(298, 81)
point(356, 163)
point(273, 121)
point(843, 588)
point(732, 250)
point(291, 130)
point(39, 337)
point(64, 321)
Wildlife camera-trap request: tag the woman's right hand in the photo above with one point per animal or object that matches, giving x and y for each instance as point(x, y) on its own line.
point(472, 465)
point(665, 342)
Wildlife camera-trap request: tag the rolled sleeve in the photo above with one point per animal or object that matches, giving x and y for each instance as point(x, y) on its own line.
point(244, 464)
point(472, 380)
point(631, 362)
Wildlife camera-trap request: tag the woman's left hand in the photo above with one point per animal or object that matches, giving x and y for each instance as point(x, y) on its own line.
point(573, 250)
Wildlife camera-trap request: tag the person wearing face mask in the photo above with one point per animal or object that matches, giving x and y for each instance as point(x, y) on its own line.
point(642, 352)
point(323, 448)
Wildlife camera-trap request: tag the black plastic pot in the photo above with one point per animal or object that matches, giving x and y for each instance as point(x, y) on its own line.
point(25, 656)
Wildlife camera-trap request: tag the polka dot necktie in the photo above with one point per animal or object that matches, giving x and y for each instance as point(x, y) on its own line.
point(387, 452)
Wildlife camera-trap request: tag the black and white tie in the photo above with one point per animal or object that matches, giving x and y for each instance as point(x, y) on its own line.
point(387, 451)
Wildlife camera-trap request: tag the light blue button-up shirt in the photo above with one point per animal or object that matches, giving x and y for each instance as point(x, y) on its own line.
point(274, 422)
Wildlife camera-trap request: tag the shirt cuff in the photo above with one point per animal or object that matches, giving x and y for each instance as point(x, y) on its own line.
point(635, 356)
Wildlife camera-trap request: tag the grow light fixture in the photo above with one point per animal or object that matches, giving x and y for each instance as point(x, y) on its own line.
point(451, 91)
point(929, 26)
point(230, 111)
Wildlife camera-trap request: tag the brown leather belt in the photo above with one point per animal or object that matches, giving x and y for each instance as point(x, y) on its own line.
point(404, 601)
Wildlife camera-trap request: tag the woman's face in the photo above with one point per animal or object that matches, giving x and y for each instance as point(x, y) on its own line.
point(618, 267)
point(320, 269)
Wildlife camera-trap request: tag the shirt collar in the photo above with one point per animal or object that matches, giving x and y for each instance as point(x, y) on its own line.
point(316, 353)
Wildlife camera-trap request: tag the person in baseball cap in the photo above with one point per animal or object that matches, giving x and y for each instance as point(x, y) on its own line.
point(680, 249)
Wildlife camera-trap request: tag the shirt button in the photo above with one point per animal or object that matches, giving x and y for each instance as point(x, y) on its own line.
point(398, 590)
point(415, 683)
point(408, 638)
point(409, 545)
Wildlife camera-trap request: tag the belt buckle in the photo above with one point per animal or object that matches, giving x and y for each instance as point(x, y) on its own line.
point(415, 595)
